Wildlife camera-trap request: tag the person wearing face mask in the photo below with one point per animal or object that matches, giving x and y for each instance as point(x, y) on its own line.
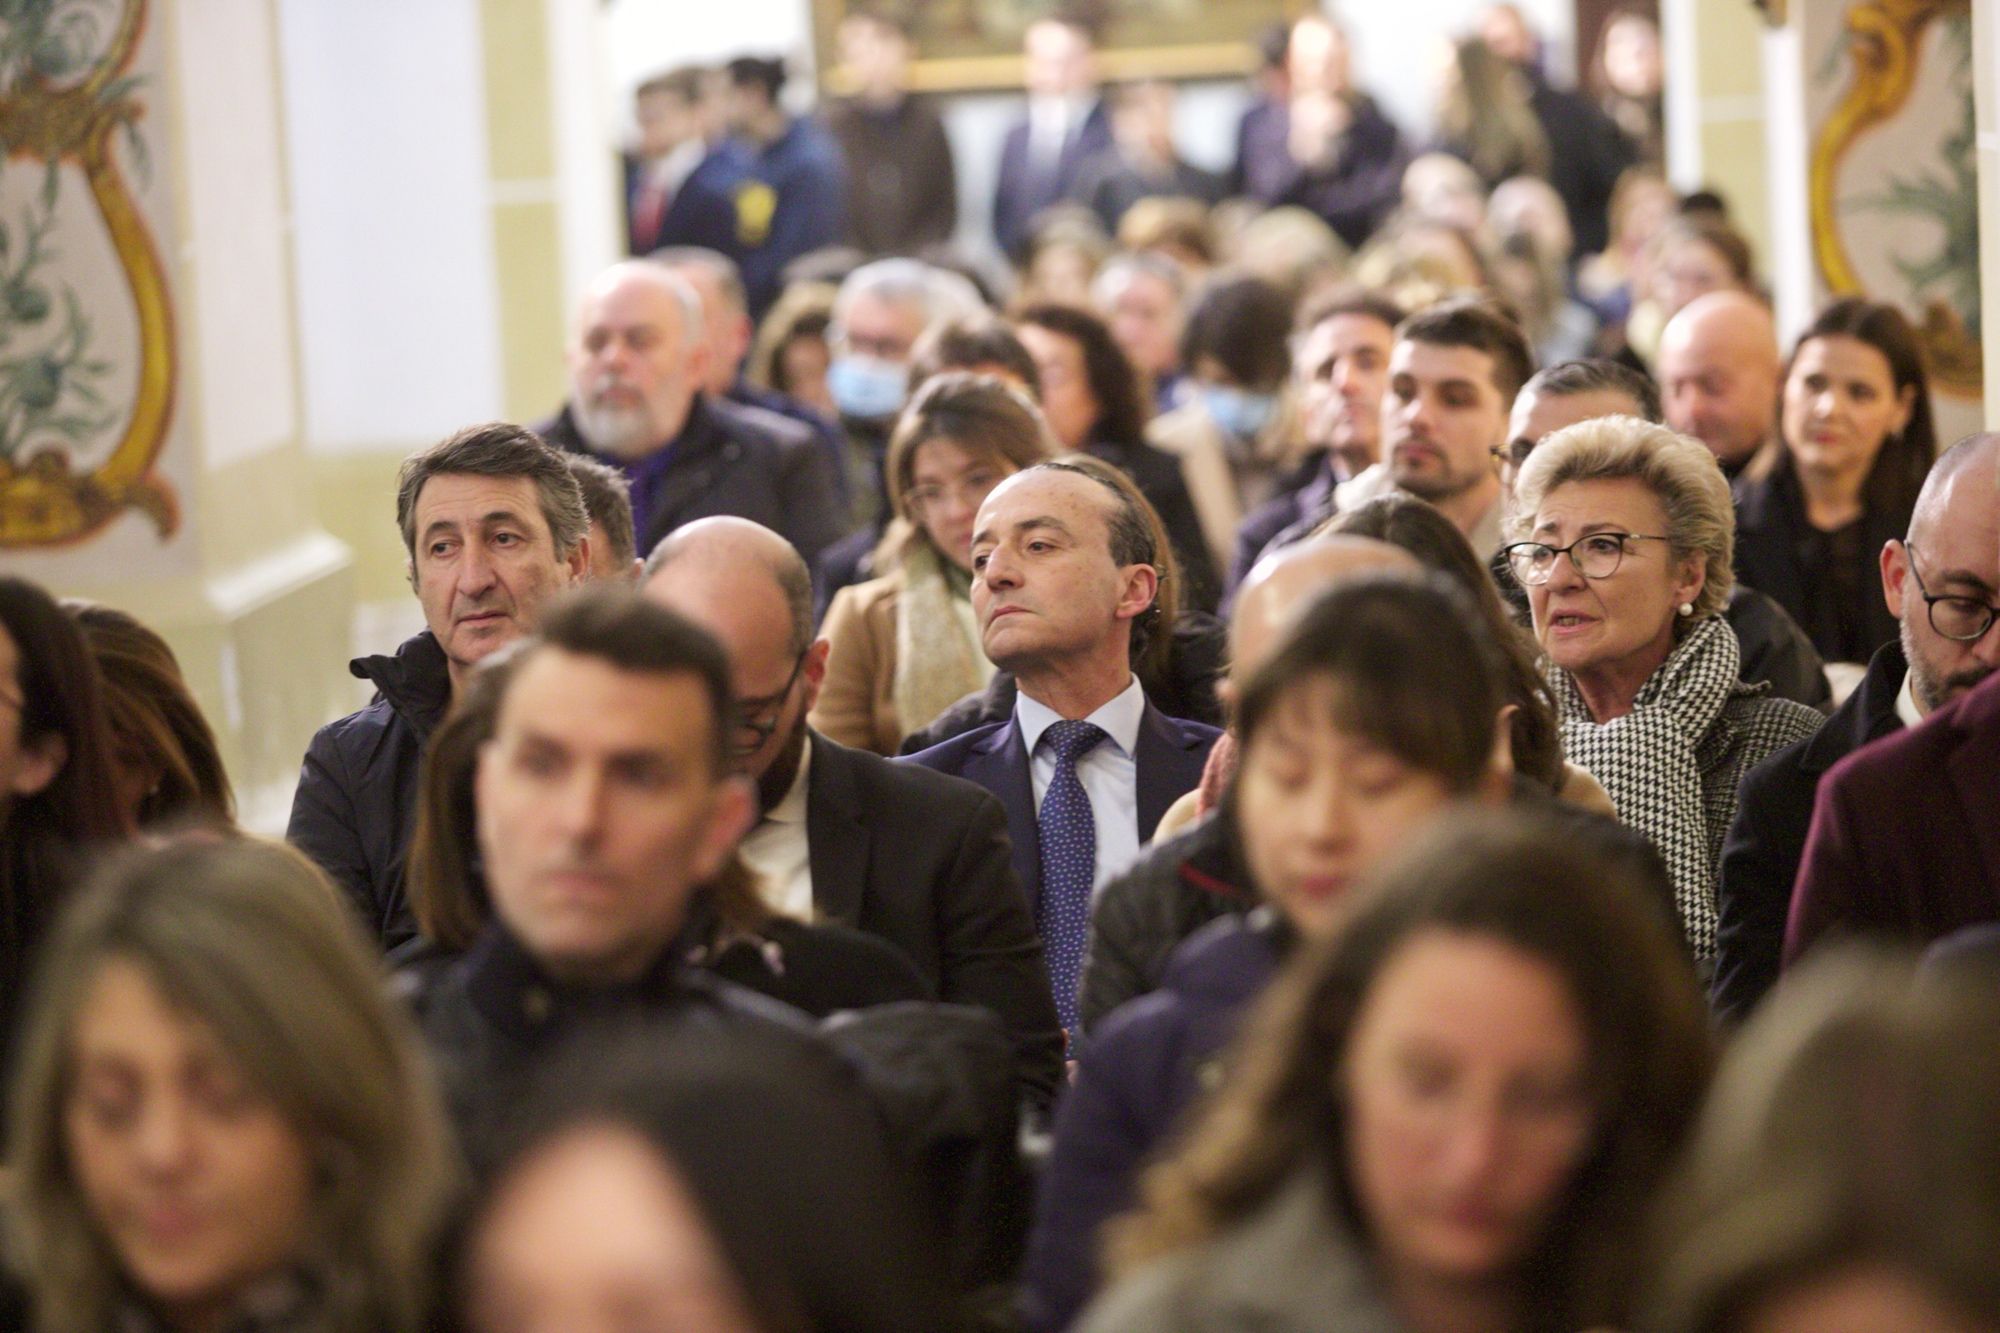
point(879, 314)
point(1340, 368)
point(1449, 1114)
point(1235, 434)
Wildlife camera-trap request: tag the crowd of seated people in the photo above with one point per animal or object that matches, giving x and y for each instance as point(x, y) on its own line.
point(1345, 743)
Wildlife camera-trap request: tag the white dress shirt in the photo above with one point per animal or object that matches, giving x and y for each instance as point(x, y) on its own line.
point(1906, 704)
point(779, 849)
point(1109, 773)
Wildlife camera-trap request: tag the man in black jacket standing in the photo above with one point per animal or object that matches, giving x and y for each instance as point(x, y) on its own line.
point(1942, 585)
point(493, 524)
point(638, 359)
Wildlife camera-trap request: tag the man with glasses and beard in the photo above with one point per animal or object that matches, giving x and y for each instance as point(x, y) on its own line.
point(1941, 583)
point(912, 856)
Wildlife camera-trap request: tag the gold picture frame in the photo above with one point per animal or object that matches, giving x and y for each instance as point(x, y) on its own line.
point(975, 45)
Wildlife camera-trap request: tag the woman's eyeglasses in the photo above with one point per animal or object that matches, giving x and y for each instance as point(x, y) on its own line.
point(1596, 556)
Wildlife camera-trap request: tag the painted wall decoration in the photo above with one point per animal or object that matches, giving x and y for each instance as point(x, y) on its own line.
point(1893, 185)
point(969, 44)
point(87, 355)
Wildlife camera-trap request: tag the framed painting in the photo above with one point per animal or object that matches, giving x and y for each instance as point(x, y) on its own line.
point(973, 45)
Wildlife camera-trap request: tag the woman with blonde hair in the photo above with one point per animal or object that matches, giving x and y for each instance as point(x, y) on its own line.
point(1624, 536)
point(904, 647)
point(218, 1118)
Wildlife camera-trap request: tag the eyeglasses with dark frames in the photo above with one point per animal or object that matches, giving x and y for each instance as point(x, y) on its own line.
point(759, 717)
point(1595, 556)
point(1960, 619)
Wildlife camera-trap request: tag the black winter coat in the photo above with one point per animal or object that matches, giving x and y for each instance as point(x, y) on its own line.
point(356, 804)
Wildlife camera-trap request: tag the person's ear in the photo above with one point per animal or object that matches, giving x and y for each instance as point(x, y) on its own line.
point(1895, 573)
point(41, 760)
point(1500, 763)
point(1142, 589)
point(814, 669)
point(1693, 578)
point(578, 561)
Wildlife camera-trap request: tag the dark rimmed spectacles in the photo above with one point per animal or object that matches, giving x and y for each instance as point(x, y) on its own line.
point(1960, 619)
point(760, 717)
point(1596, 556)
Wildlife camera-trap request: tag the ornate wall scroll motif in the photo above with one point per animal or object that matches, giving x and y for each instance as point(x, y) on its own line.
point(1936, 195)
point(80, 434)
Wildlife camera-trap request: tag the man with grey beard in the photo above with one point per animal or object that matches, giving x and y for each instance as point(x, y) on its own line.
point(637, 363)
point(1942, 583)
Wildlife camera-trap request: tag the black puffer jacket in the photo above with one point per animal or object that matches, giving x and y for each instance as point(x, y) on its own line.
point(356, 804)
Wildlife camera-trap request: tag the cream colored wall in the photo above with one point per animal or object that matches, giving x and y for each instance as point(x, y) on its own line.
point(1716, 107)
point(1986, 91)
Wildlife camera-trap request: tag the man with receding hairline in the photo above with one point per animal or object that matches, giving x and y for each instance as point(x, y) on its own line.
point(1719, 372)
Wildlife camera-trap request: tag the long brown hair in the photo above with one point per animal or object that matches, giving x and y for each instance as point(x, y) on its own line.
point(1904, 459)
point(1538, 887)
point(148, 707)
point(252, 941)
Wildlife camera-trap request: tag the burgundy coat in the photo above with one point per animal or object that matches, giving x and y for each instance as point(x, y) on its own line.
point(1905, 839)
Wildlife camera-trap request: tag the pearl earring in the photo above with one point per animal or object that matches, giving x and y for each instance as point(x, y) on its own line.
point(1687, 608)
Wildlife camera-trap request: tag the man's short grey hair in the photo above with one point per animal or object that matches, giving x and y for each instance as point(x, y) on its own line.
point(1679, 470)
point(717, 265)
point(1123, 266)
point(939, 293)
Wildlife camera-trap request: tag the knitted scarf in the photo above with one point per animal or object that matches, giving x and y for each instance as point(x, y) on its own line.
point(936, 664)
point(1647, 761)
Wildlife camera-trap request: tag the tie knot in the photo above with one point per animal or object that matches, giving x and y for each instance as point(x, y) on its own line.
point(1070, 740)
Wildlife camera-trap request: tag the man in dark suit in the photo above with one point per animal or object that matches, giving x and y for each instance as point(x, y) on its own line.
point(1903, 840)
point(1064, 585)
point(915, 858)
point(637, 362)
point(1952, 555)
point(1066, 126)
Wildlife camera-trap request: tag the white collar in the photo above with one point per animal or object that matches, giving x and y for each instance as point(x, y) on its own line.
point(1906, 702)
point(1120, 718)
point(791, 807)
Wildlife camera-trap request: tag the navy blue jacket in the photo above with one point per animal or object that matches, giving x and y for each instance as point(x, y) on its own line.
point(1168, 765)
point(807, 208)
point(1021, 193)
point(356, 803)
point(1144, 1067)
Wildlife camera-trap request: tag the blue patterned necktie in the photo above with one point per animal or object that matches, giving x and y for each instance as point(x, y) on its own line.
point(1069, 863)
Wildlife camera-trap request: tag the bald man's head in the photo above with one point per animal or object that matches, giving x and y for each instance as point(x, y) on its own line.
point(1953, 553)
point(748, 587)
point(1719, 372)
point(1280, 585)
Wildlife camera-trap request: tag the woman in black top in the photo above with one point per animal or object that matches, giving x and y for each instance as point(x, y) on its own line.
point(1858, 439)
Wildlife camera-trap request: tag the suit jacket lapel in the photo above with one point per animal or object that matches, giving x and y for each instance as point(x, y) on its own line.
point(1168, 766)
point(1000, 764)
point(837, 840)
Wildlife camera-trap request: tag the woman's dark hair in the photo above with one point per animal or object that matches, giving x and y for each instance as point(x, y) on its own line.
point(149, 710)
point(446, 883)
point(1413, 672)
point(805, 311)
point(1243, 323)
point(1417, 527)
point(1905, 459)
point(1120, 390)
point(1488, 120)
point(784, 1157)
point(43, 836)
point(1526, 882)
